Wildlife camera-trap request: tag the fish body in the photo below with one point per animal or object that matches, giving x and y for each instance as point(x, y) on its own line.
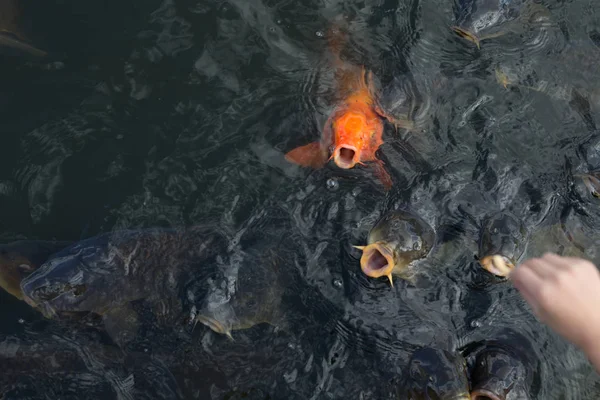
point(501, 244)
point(396, 240)
point(104, 274)
point(354, 130)
point(107, 273)
point(254, 298)
point(478, 20)
point(435, 374)
point(498, 376)
point(501, 368)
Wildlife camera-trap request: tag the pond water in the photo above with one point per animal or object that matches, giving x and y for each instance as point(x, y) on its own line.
point(176, 113)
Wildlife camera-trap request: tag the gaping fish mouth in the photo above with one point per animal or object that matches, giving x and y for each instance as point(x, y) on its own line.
point(345, 156)
point(462, 396)
point(52, 291)
point(215, 325)
point(484, 394)
point(377, 260)
point(498, 265)
point(41, 297)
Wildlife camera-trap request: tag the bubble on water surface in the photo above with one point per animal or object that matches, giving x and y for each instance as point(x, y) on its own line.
point(319, 33)
point(337, 283)
point(332, 184)
point(476, 324)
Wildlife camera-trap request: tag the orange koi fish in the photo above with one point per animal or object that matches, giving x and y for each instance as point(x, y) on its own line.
point(354, 130)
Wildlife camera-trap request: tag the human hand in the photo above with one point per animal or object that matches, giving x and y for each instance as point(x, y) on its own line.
point(564, 292)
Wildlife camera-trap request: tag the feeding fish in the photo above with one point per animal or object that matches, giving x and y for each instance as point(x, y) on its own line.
point(398, 239)
point(501, 244)
point(501, 369)
point(354, 130)
point(435, 374)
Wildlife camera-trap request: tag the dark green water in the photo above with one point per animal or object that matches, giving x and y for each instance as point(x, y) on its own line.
point(174, 113)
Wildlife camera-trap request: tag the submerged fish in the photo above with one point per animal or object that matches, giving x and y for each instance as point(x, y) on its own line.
point(501, 369)
point(478, 20)
point(106, 273)
point(21, 258)
point(501, 244)
point(498, 375)
point(354, 131)
point(11, 36)
point(62, 363)
point(398, 239)
point(435, 374)
point(254, 298)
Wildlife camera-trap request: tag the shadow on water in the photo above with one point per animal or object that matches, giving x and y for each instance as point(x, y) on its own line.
point(173, 113)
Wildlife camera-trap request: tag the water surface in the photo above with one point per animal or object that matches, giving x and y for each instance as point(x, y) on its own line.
point(174, 113)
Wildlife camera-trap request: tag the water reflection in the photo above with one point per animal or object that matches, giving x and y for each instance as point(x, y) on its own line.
point(179, 113)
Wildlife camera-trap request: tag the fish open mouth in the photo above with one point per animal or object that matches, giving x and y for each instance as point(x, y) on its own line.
point(52, 291)
point(498, 265)
point(377, 260)
point(462, 396)
point(344, 156)
point(484, 394)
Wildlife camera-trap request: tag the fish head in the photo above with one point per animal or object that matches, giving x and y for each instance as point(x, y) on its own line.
point(501, 244)
point(398, 239)
point(20, 259)
point(251, 296)
point(591, 182)
point(87, 277)
point(349, 130)
point(498, 375)
point(436, 374)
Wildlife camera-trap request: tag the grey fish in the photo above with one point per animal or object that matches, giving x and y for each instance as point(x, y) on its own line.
point(435, 374)
point(396, 240)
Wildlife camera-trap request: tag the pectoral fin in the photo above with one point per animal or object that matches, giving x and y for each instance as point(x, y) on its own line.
point(383, 176)
point(311, 155)
point(121, 324)
point(215, 325)
point(12, 41)
point(467, 35)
